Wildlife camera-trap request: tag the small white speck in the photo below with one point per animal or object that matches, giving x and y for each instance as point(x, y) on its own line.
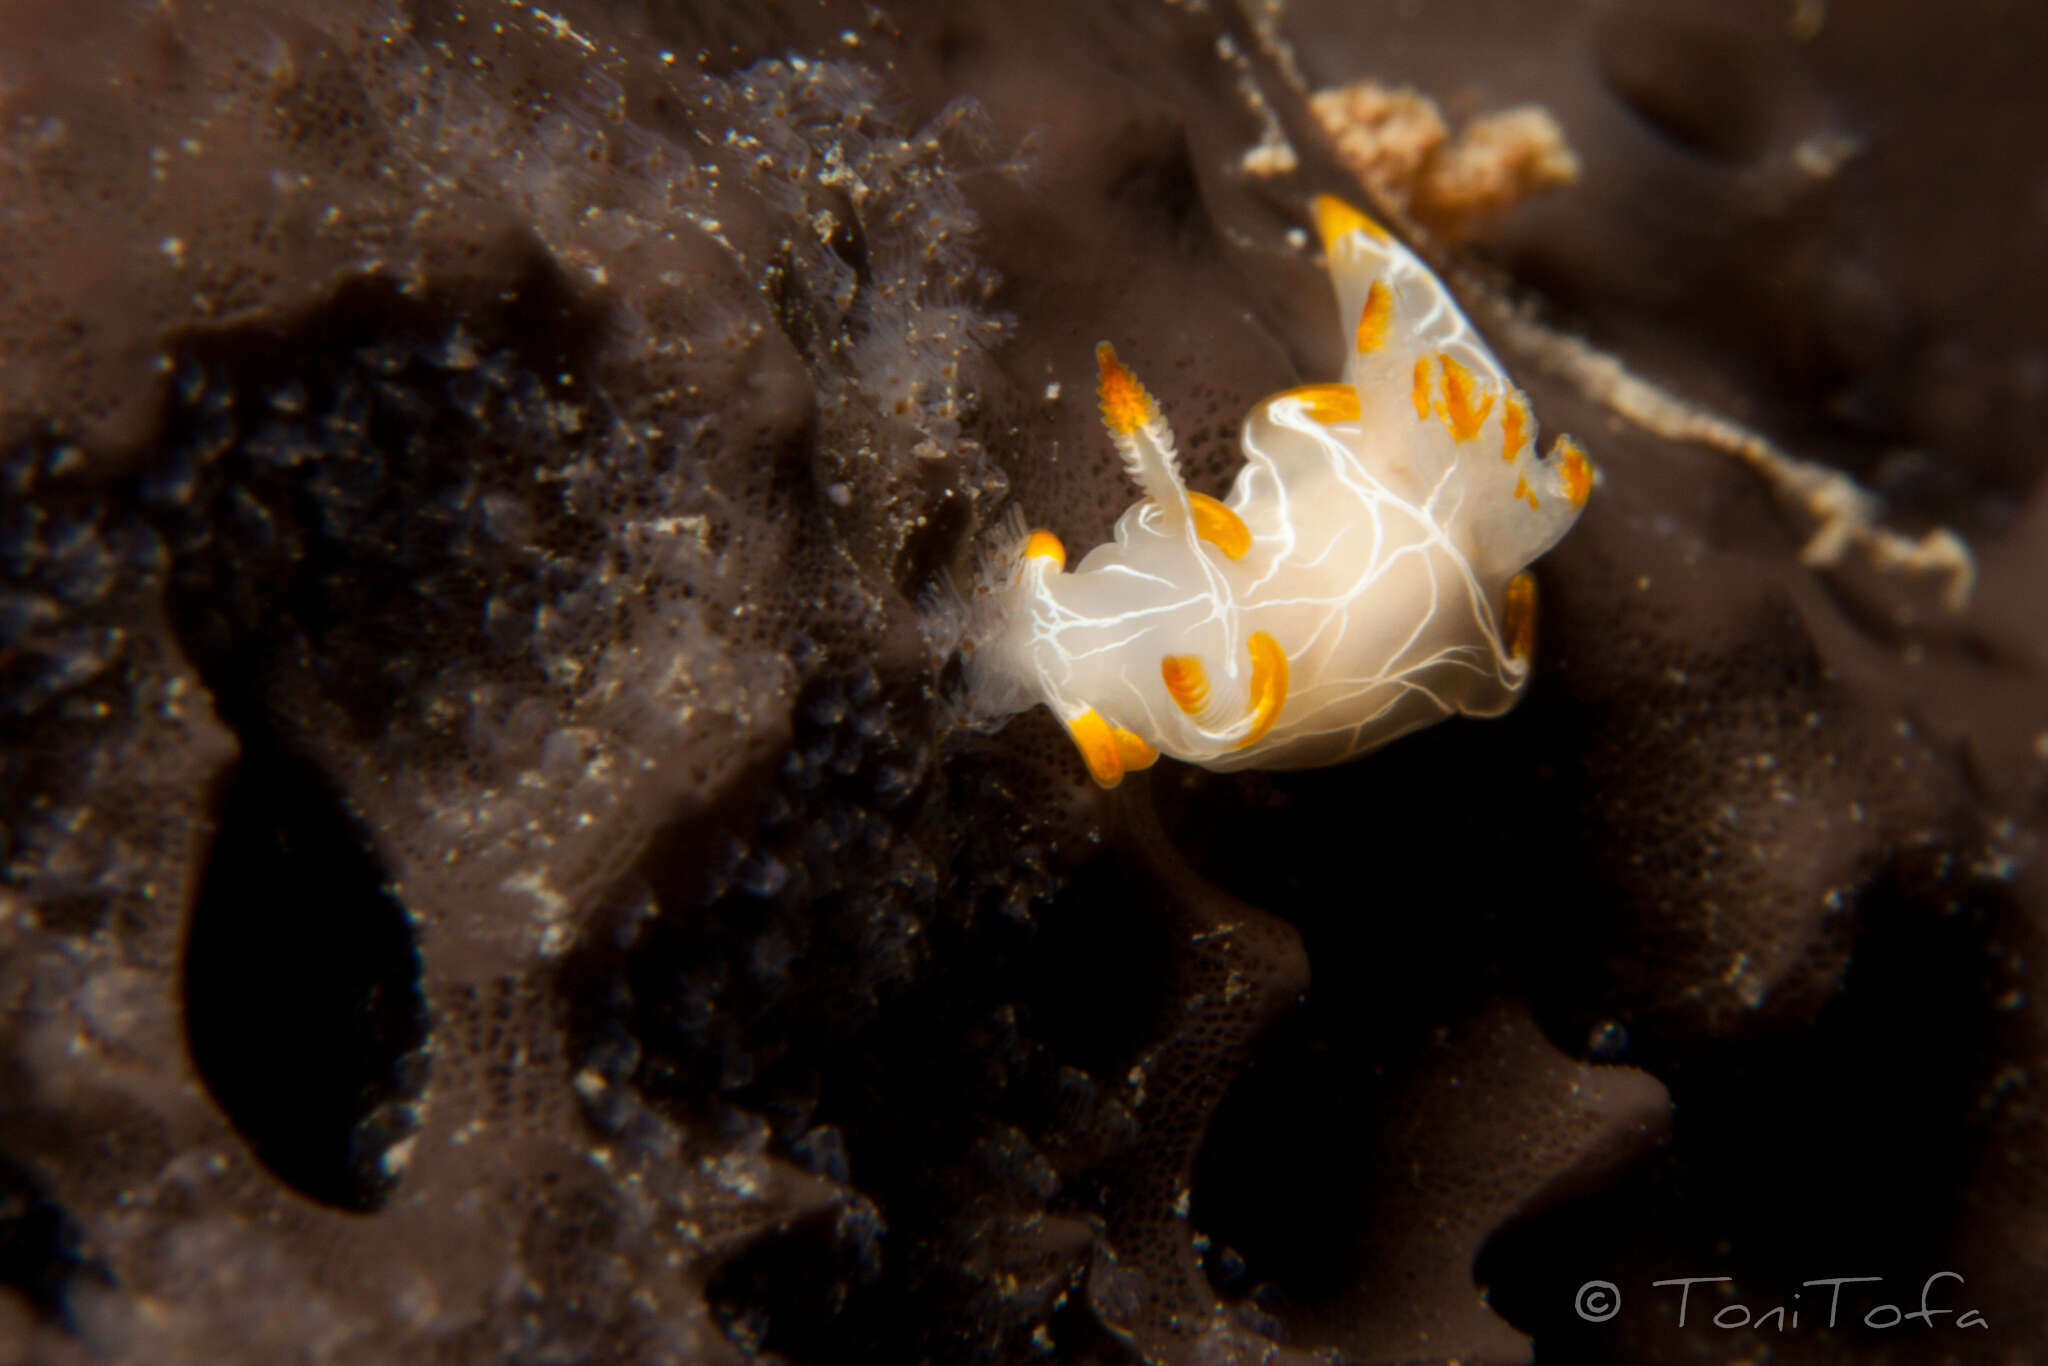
point(1822, 155)
point(849, 37)
point(398, 1156)
point(1052, 395)
point(1297, 238)
point(174, 249)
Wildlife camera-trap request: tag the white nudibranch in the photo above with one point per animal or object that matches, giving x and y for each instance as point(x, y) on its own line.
point(1365, 576)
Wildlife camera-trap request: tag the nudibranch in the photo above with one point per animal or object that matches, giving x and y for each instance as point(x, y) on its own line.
point(1366, 575)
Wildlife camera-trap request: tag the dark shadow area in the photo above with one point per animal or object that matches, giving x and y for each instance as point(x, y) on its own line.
point(1415, 909)
point(301, 983)
point(1835, 1152)
point(38, 1243)
point(785, 1294)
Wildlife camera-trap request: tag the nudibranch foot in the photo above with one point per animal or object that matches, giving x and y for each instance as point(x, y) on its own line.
point(1364, 576)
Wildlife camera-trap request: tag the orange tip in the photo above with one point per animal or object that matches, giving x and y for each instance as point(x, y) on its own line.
point(1336, 220)
point(1219, 526)
point(1327, 402)
point(1459, 410)
point(1577, 471)
point(1133, 749)
point(1374, 319)
point(1043, 545)
point(1269, 686)
point(1187, 682)
point(1514, 426)
point(1125, 404)
point(1097, 741)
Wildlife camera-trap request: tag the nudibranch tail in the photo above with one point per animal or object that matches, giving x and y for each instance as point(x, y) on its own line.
point(1364, 577)
point(1459, 402)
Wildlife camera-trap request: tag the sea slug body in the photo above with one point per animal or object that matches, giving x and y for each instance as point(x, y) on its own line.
point(1365, 577)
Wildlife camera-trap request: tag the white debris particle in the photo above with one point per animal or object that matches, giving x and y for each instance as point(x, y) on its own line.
point(1824, 154)
point(398, 1156)
point(550, 907)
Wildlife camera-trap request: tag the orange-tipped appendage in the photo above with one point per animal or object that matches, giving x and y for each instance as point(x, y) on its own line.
point(1219, 526)
point(1335, 219)
point(1269, 686)
point(1577, 470)
point(1132, 749)
point(1464, 405)
point(1125, 404)
point(1328, 403)
point(1043, 545)
point(1514, 427)
point(1375, 318)
point(1187, 682)
point(1422, 389)
point(1096, 739)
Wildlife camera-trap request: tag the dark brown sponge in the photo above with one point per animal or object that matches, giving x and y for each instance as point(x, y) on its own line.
point(493, 864)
